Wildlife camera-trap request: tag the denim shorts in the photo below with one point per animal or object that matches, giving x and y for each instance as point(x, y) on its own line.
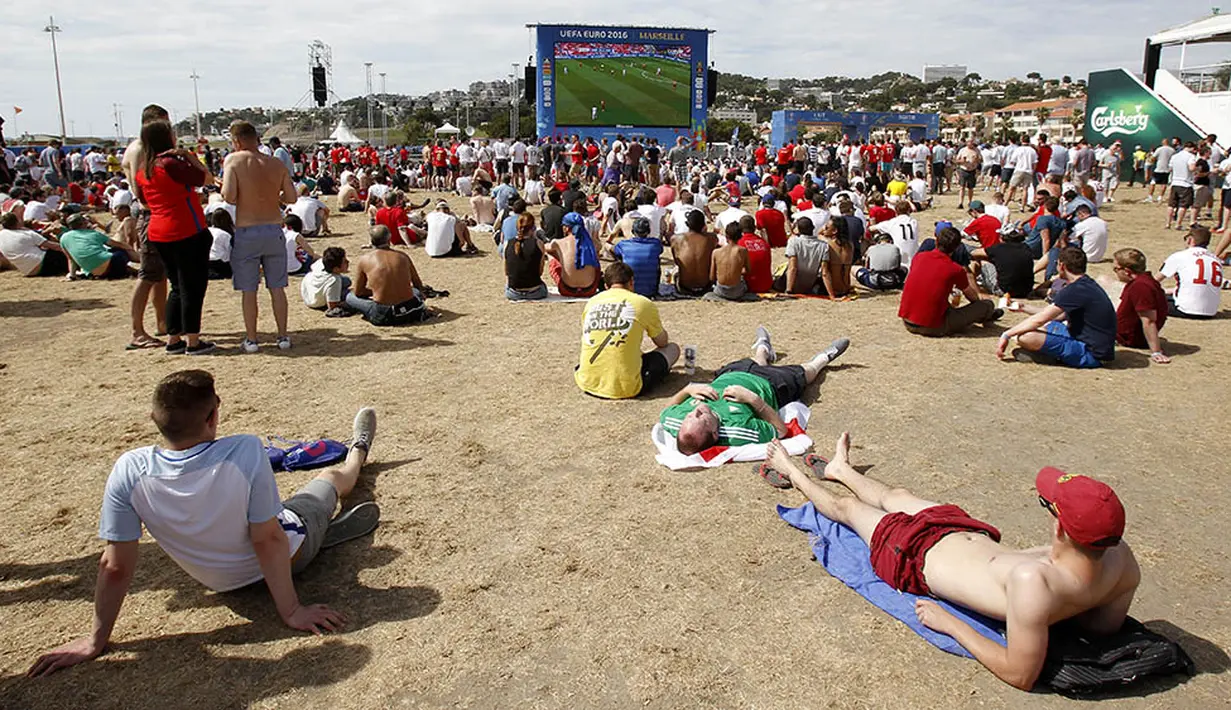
point(254, 248)
point(1067, 349)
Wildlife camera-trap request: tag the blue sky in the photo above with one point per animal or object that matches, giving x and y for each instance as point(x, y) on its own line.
point(250, 54)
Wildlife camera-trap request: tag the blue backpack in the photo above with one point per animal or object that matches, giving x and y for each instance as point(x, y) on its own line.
point(304, 454)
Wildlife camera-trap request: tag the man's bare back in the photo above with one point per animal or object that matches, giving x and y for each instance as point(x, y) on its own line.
point(692, 252)
point(730, 264)
point(258, 185)
point(565, 250)
point(386, 276)
point(484, 209)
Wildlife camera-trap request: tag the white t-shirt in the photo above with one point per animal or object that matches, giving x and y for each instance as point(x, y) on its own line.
point(465, 186)
point(727, 216)
point(465, 153)
point(533, 192)
point(1092, 233)
point(1199, 280)
point(96, 163)
point(1181, 169)
point(121, 197)
point(305, 209)
point(197, 504)
point(518, 151)
point(1024, 159)
point(1225, 168)
point(905, 232)
point(319, 287)
point(218, 204)
point(375, 190)
point(679, 212)
point(36, 211)
point(501, 150)
point(1162, 158)
point(220, 250)
point(655, 214)
point(1000, 212)
point(819, 216)
point(293, 263)
point(918, 189)
point(21, 247)
point(441, 230)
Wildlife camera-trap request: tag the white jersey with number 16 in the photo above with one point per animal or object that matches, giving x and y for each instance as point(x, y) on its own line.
point(1198, 274)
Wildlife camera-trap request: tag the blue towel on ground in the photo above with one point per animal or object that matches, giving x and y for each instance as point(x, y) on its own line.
point(845, 556)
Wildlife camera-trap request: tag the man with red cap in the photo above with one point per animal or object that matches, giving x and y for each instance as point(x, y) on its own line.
point(1086, 574)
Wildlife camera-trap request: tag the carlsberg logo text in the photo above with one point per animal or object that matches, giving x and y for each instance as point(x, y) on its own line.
point(1109, 123)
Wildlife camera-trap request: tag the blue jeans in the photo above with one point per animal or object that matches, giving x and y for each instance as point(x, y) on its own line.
point(380, 314)
point(534, 295)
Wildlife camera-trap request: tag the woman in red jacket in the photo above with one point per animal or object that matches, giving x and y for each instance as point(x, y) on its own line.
point(167, 184)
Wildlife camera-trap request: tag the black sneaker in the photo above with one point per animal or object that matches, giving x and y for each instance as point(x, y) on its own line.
point(204, 347)
point(177, 348)
point(996, 315)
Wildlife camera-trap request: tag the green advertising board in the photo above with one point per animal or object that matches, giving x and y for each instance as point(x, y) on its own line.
point(1119, 107)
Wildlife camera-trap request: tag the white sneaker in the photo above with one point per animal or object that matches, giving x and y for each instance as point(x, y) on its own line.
point(284, 342)
point(249, 346)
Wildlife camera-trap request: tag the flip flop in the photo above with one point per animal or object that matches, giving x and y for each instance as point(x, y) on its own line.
point(817, 464)
point(145, 345)
point(772, 476)
point(354, 523)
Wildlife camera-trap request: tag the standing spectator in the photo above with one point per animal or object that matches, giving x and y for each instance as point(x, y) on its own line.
point(1183, 166)
point(166, 184)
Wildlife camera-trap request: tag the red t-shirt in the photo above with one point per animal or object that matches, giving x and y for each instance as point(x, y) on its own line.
point(439, 156)
point(786, 154)
point(592, 154)
point(1143, 293)
point(881, 214)
point(797, 193)
point(869, 153)
point(393, 218)
point(76, 194)
point(925, 297)
point(403, 154)
point(886, 153)
point(579, 153)
point(774, 224)
point(987, 229)
point(770, 180)
point(761, 154)
point(760, 277)
point(1044, 152)
point(175, 208)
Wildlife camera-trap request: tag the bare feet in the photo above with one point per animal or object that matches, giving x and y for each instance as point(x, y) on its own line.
point(777, 457)
point(840, 463)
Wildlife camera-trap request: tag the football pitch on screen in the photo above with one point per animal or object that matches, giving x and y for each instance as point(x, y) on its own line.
point(622, 92)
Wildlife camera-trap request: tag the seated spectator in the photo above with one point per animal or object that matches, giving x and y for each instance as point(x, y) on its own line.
point(94, 253)
point(312, 212)
point(1088, 339)
point(573, 263)
point(771, 222)
point(299, 254)
point(122, 196)
point(999, 210)
point(483, 209)
point(611, 364)
point(983, 227)
point(903, 229)
point(918, 193)
point(692, 252)
point(523, 263)
point(239, 533)
point(325, 286)
point(732, 213)
point(642, 253)
point(508, 228)
point(925, 308)
point(836, 271)
point(1142, 312)
point(387, 290)
point(882, 266)
point(760, 275)
point(222, 229)
point(326, 185)
point(805, 254)
point(729, 265)
point(348, 196)
point(815, 211)
point(740, 406)
point(1089, 233)
point(1047, 238)
point(535, 192)
point(1005, 268)
point(1198, 277)
point(446, 234)
point(27, 251)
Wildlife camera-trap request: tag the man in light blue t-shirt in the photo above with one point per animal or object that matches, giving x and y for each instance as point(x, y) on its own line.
point(213, 506)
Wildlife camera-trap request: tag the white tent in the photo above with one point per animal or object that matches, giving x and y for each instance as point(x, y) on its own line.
point(343, 134)
point(448, 130)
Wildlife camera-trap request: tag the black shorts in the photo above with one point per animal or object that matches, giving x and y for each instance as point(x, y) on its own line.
point(1006, 175)
point(994, 171)
point(799, 166)
point(54, 264)
point(1226, 198)
point(654, 370)
point(1181, 197)
point(592, 170)
point(117, 268)
point(788, 381)
point(1161, 178)
point(502, 166)
point(441, 170)
point(967, 178)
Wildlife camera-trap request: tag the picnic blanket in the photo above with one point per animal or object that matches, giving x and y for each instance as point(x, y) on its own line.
point(795, 414)
point(553, 296)
point(845, 555)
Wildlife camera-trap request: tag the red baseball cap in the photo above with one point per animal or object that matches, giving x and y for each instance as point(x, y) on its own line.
point(1089, 511)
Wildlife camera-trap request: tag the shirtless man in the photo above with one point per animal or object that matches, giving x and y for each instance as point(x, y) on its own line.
point(729, 265)
point(917, 546)
point(152, 276)
point(574, 260)
point(258, 185)
point(483, 207)
point(387, 288)
point(692, 252)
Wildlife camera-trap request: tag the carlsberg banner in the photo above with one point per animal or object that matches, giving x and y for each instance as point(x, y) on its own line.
point(1119, 107)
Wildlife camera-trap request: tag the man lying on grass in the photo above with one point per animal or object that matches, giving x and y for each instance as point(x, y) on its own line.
point(213, 506)
point(1086, 574)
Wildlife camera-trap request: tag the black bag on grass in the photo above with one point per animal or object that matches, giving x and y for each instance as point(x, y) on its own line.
point(1080, 664)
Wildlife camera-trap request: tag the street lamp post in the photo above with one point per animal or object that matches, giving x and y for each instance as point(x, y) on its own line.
point(196, 99)
point(52, 28)
point(384, 112)
point(368, 70)
point(514, 100)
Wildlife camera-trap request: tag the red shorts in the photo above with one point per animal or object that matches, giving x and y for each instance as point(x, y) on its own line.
point(556, 270)
point(901, 542)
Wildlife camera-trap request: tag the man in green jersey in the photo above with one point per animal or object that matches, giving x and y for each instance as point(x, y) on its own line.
point(741, 404)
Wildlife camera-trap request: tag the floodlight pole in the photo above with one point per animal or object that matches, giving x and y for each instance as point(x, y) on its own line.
point(384, 113)
point(196, 98)
point(368, 69)
point(52, 28)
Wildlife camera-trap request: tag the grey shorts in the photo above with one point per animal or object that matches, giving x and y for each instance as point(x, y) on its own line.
point(988, 278)
point(152, 269)
point(314, 504)
point(731, 293)
point(254, 248)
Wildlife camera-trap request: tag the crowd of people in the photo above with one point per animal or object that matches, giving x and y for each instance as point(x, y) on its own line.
point(844, 215)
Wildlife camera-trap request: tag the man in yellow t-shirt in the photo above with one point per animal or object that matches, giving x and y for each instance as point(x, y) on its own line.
point(612, 365)
point(897, 187)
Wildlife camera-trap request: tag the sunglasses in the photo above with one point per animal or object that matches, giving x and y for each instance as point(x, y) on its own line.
point(1049, 506)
